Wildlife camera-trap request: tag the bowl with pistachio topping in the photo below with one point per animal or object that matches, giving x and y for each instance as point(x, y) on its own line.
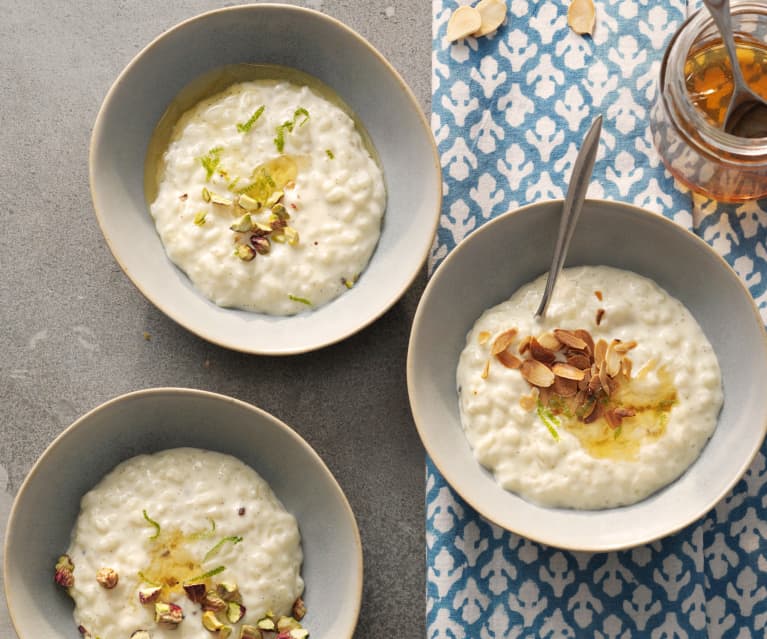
point(620, 416)
point(176, 512)
point(274, 194)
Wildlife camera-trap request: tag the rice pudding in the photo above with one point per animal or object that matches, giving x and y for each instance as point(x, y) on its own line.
point(603, 402)
point(268, 198)
point(179, 544)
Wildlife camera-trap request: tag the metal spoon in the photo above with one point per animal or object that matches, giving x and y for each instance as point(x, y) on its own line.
point(571, 209)
point(747, 112)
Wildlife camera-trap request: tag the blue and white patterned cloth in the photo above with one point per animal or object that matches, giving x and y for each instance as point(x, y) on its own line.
point(508, 113)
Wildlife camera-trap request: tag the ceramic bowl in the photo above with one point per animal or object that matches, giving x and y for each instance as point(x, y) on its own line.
point(492, 263)
point(334, 54)
point(48, 502)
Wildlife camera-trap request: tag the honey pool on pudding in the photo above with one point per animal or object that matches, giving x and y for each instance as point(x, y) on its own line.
point(267, 194)
point(603, 402)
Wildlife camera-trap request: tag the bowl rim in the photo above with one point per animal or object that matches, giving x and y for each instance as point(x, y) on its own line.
point(454, 479)
point(189, 323)
point(184, 392)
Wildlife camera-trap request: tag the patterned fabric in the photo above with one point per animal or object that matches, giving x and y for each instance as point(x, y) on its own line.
point(508, 112)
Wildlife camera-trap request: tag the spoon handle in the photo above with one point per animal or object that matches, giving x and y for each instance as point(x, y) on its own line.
point(720, 12)
point(571, 209)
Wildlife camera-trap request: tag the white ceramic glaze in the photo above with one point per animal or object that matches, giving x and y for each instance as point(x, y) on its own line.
point(334, 54)
point(492, 263)
point(48, 501)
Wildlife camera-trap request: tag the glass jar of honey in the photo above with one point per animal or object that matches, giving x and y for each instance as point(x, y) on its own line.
point(693, 93)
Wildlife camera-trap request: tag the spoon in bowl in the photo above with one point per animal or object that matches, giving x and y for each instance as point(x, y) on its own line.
point(571, 209)
point(746, 114)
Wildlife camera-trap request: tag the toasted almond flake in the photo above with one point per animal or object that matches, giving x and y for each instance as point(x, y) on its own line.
point(612, 360)
point(540, 353)
point(624, 347)
point(623, 412)
point(613, 420)
point(464, 21)
point(579, 361)
point(492, 14)
point(524, 345)
point(486, 370)
point(536, 373)
point(564, 387)
point(483, 337)
point(594, 384)
point(586, 337)
point(600, 350)
point(503, 341)
point(599, 295)
point(568, 338)
point(626, 367)
point(600, 316)
point(584, 383)
point(592, 412)
point(581, 16)
point(508, 360)
point(547, 340)
point(544, 395)
point(568, 372)
point(528, 402)
point(604, 378)
point(648, 366)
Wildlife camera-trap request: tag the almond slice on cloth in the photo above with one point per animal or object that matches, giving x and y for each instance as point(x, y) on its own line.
point(581, 16)
point(464, 22)
point(492, 13)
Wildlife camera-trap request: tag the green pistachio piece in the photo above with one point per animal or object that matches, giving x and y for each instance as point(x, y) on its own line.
point(210, 621)
point(168, 613)
point(287, 623)
point(266, 623)
point(248, 203)
point(299, 633)
point(245, 252)
point(274, 198)
point(291, 235)
point(199, 218)
point(235, 611)
point(249, 632)
point(243, 225)
point(205, 194)
point(219, 199)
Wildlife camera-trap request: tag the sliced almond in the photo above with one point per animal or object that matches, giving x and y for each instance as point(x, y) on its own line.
point(567, 371)
point(612, 418)
point(547, 340)
point(623, 412)
point(604, 378)
point(524, 345)
point(594, 384)
point(579, 361)
point(586, 337)
point(492, 14)
point(593, 411)
point(540, 353)
point(600, 316)
point(464, 22)
point(503, 341)
point(568, 338)
point(600, 350)
point(564, 387)
point(486, 370)
point(581, 16)
point(528, 402)
point(612, 360)
point(584, 383)
point(626, 367)
point(537, 374)
point(544, 395)
point(483, 337)
point(508, 360)
point(624, 347)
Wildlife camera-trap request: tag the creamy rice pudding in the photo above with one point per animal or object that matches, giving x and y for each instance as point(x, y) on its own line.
point(180, 544)
point(268, 198)
point(606, 400)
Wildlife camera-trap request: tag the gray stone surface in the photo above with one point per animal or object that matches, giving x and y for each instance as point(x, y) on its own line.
point(73, 325)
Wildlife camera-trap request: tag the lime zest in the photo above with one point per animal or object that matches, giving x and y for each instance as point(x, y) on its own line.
point(288, 125)
point(549, 420)
point(211, 160)
point(206, 575)
point(154, 523)
point(247, 126)
point(146, 579)
point(302, 300)
point(329, 153)
point(234, 539)
point(204, 534)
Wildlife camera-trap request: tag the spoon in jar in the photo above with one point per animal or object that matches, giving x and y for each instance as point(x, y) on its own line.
point(571, 208)
point(746, 114)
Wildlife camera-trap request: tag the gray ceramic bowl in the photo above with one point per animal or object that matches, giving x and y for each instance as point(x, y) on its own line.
point(313, 43)
point(48, 502)
point(489, 265)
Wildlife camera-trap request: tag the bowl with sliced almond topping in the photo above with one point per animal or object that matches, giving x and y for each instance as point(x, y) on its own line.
point(259, 190)
point(622, 415)
point(176, 512)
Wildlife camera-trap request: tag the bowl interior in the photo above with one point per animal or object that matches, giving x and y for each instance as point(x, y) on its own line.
point(513, 249)
point(315, 44)
point(48, 502)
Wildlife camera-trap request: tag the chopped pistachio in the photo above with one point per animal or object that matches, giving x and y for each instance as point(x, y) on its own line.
point(219, 199)
point(227, 590)
point(224, 632)
point(291, 235)
point(140, 634)
point(65, 572)
point(212, 601)
point(279, 237)
point(277, 223)
point(274, 198)
point(210, 621)
point(266, 623)
point(329, 153)
point(235, 611)
point(262, 244)
point(298, 633)
point(280, 211)
point(250, 632)
point(287, 623)
point(107, 578)
point(205, 194)
point(195, 592)
point(199, 218)
point(248, 203)
point(299, 609)
point(149, 594)
point(266, 228)
point(168, 613)
point(243, 225)
point(244, 252)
